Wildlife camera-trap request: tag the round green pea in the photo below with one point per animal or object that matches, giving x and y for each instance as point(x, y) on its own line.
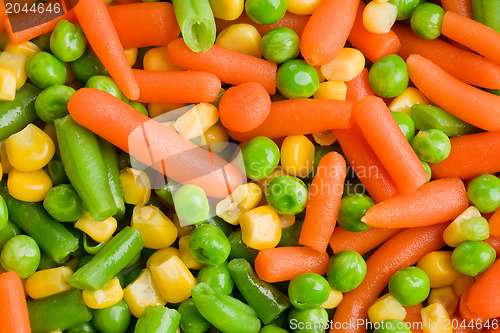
point(308, 321)
point(113, 319)
point(280, 45)
point(104, 83)
point(405, 8)
point(45, 70)
point(392, 326)
point(217, 277)
point(67, 41)
point(272, 329)
point(191, 319)
point(63, 203)
point(426, 20)
point(427, 169)
point(406, 124)
point(297, 79)
point(265, 11)
point(388, 76)
point(432, 146)
point(308, 290)
point(139, 107)
point(473, 257)
point(88, 65)
point(191, 204)
point(209, 245)
point(286, 195)
point(82, 328)
point(484, 193)
point(52, 103)
point(352, 208)
point(346, 270)
point(20, 254)
point(410, 286)
point(261, 156)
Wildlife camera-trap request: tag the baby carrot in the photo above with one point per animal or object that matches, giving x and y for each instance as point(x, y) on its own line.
point(485, 293)
point(301, 116)
point(177, 86)
point(229, 66)
point(465, 311)
point(402, 250)
point(13, 309)
point(101, 35)
point(413, 317)
point(494, 223)
point(145, 24)
point(392, 148)
point(495, 243)
point(323, 202)
point(435, 202)
point(361, 242)
point(462, 7)
point(359, 87)
point(326, 31)
point(284, 263)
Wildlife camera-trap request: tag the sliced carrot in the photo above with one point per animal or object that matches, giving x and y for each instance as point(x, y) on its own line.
point(494, 222)
point(400, 251)
point(391, 147)
point(284, 263)
point(463, 65)
point(495, 243)
point(462, 7)
point(13, 309)
point(413, 318)
point(301, 116)
point(470, 156)
point(361, 242)
point(323, 203)
point(177, 86)
point(464, 307)
point(484, 296)
point(326, 31)
point(145, 24)
point(229, 66)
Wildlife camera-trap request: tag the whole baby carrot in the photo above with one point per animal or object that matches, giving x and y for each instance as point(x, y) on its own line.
point(465, 311)
point(484, 298)
point(13, 310)
point(495, 243)
point(361, 242)
point(413, 317)
point(494, 223)
point(462, 7)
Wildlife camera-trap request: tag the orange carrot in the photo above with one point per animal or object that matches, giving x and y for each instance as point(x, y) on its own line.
point(465, 310)
point(301, 116)
point(177, 86)
point(145, 24)
point(470, 156)
point(485, 293)
point(361, 242)
point(400, 251)
point(284, 263)
point(323, 202)
point(392, 148)
point(152, 143)
point(102, 37)
point(3, 15)
point(124, 2)
point(435, 202)
point(495, 243)
point(13, 309)
point(461, 64)
point(413, 317)
point(460, 325)
point(229, 66)
point(462, 7)
point(494, 223)
point(326, 31)
point(244, 107)
point(373, 46)
point(359, 87)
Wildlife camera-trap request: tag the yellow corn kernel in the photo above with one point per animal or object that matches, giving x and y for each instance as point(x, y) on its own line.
point(437, 265)
point(302, 7)
point(15, 62)
point(7, 84)
point(50, 130)
point(161, 256)
point(29, 149)
point(29, 186)
point(345, 66)
point(386, 307)
point(297, 155)
point(131, 54)
point(331, 90)
point(156, 229)
point(197, 120)
point(435, 319)
point(446, 296)
point(173, 279)
point(409, 97)
point(453, 234)
point(260, 228)
point(136, 186)
point(325, 138)
point(287, 220)
point(157, 109)
point(462, 283)
point(241, 37)
point(182, 230)
point(334, 299)
point(108, 295)
point(379, 18)
point(4, 159)
point(186, 256)
point(142, 293)
point(227, 9)
point(156, 59)
point(243, 198)
point(216, 138)
point(1, 171)
point(318, 70)
point(100, 231)
point(279, 171)
point(48, 282)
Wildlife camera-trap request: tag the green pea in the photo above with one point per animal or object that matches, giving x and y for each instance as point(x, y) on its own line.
point(308, 290)
point(67, 41)
point(484, 193)
point(261, 156)
point(43, 41)
point(45, 70)
point(139, 107)
point(410, 286)
point(432, 146)
point(52, 103)
point(473, 257)
point(132, 275)
point(272, 329)
point(83, 328)
point(392, 326)
point(352, 208)
point(426, 20)
point(346, 270)
point(113, 319)
point(217, 277)
point(280, 45)
point(265, 11)
point(406, 124)
point(191, 204)
point(219, 223)
point(388, 76)
point(9, 230)
point(297, 79)
point(4, 213)
point(88, 65)
point(104, 83)
point(209, 245)
point(476, 229)
point(405, 8)
point(63, 203)
point(308, 321)
point(20, 254)
point(286, 195)
point(56, 172)
point(427, 169)
point(191, 319)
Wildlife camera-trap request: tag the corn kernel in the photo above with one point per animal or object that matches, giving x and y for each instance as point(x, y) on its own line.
point(462, 283)
point(241, 37)
point(142, 293)
point(243, 198)
point(48, 282)
point(325, 138)
point(197, 120)
point(29, 149)
point(161, 256)
point(334, 299)
point(100, 231)
point(279, 171)
point(435, 319)
point(1, 172)
point(156, 59)
point(186, 256)
point(7, 84)
point(156, 229)
point(15, 62)
point(297, 155)
point(29, 186)
point(131, 54)
point(50, 130)
point(216, 138)
point(260, 228)
point(302, 7)
point(173, 279)
point(4, 159)
point(108, 295)
point(157, 109)
point(345, 66)
point(379, 18)
point(409, 97)
point(287, 220)
point(437, 265)
point(446, 296)
point(228, 10)
point(386, 307)
point(453, 234)
point(184, 229)
point(136, 186)
point(336, 90)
